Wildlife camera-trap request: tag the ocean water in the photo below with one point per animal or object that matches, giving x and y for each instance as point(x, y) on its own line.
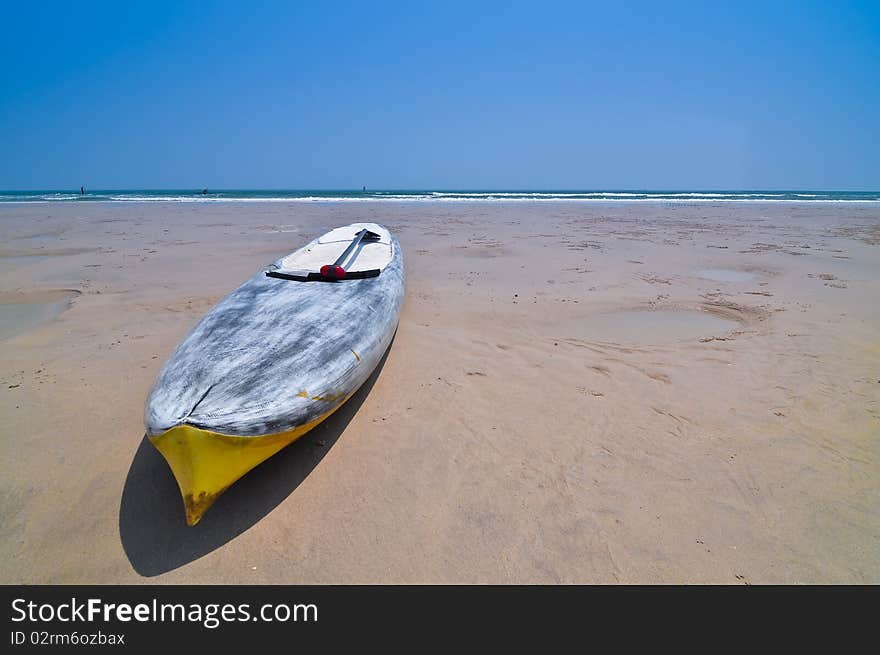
point(246, 195)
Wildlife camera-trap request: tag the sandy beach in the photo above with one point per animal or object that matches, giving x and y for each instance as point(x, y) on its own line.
point(582, 392)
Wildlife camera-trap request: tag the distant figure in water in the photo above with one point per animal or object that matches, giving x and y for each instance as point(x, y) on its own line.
point(82, 191)
point(364, 189)
point(204, 192)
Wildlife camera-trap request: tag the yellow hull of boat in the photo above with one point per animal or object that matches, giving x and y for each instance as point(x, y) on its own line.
point(206, 463)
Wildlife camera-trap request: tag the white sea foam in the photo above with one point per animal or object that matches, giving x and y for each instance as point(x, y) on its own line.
point(450, 197)
point(474, 199)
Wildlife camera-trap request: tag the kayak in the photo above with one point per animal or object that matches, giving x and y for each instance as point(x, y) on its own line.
point(274, 358)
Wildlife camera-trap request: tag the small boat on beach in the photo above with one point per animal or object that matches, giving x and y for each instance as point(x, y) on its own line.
point(275, 358)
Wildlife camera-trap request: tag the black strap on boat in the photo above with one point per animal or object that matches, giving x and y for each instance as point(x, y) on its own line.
point(317, 277)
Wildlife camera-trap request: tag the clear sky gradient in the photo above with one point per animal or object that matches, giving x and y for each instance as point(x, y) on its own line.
point(470, 95)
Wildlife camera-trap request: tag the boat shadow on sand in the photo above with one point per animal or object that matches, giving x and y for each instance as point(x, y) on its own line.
point(152, 527)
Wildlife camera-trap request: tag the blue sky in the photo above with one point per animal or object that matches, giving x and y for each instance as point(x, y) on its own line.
point(448, 95)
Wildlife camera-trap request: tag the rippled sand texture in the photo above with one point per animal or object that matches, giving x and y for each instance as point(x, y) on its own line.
point(577, 393)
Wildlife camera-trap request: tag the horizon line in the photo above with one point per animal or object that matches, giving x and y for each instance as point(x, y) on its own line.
point(450, 189)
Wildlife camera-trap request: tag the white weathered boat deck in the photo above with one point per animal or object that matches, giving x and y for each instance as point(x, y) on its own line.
point(275, 354)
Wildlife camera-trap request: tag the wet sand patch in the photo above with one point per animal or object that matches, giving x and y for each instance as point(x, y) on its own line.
point(652, 326)
point(23, 311)
point(46, 252)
